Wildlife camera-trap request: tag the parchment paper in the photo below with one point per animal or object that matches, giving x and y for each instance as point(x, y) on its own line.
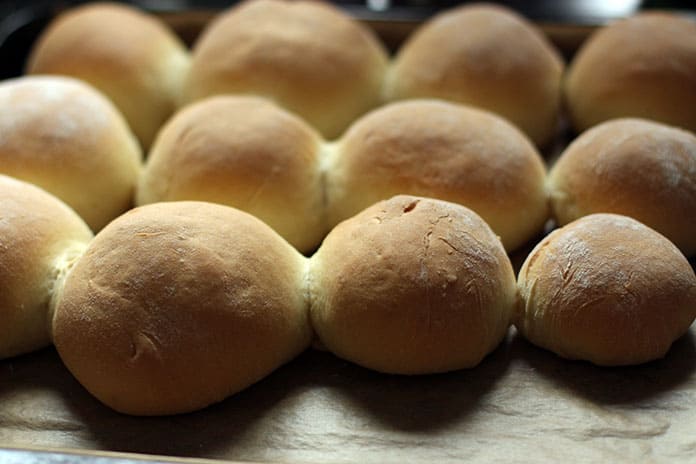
point(522, 404)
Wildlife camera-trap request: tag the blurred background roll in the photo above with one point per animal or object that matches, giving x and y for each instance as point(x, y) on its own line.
point(62, 135)
point(486, 56)
point(129, 55)
point(642, 66)
point(308, 57)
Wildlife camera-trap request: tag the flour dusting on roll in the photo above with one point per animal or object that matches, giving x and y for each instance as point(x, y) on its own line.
point(606, 289)
point(412, 285)
point(634, 167)
point(129, 55)
point(64, 136)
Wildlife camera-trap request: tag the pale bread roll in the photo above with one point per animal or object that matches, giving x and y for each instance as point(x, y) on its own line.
point(486, 56)
point(175, 306)
point(634, 167)
point(412, 286)
point(606, 289)
point(307, 56)
point(131, 56)
point(243, 152)
point(40, 237)
point(62, 135)
point(442, 150)
point(642, 66)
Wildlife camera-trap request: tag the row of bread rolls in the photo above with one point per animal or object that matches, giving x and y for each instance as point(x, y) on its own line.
point(314, 60)
point(308, 57)
point(248, 153)
point(175, 306)
point(270, 164)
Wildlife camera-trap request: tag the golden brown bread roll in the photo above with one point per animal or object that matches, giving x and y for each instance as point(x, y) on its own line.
point(411, 286)
point(175, 306)
point(244, 152)
point(606, 289)
point(642, 66)
point(634, 167)
point(441, 150)
point(130, 56)
point(64, 136)
point(306, 56)
point(40, 237)
point(487, 56)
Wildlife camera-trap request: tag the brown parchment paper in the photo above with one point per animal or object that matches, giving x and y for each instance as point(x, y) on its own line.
point(522, 404)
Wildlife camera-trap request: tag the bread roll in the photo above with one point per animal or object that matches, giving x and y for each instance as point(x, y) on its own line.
point(412, 286)
point(307, 56)
point(486, 56)
point(40, 237)
point(177, 305)
point(634, 167)
point(130, 56)
point(64, 136)
point(642, 66)
point(606, 289)
point(243, 152)
point(441, 150)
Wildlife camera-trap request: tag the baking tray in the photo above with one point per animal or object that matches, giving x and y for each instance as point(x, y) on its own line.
point(521, 404)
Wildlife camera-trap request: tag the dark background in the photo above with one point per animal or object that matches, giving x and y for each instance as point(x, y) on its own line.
point(21, 21)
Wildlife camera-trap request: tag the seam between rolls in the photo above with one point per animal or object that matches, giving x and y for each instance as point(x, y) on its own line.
point(327, 153)
point(309, 297)
point(63, 264)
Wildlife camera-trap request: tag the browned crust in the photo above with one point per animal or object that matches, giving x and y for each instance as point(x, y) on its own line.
point(643, 66)
point(177, 305)
point(129, 55)
point(442, 150)
point(412, 286)
point(64, 136)
point(634, 167)
point(606, 289)
point(243, 152)
point(487, 56)
point(307, 56)
point(39, 234)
